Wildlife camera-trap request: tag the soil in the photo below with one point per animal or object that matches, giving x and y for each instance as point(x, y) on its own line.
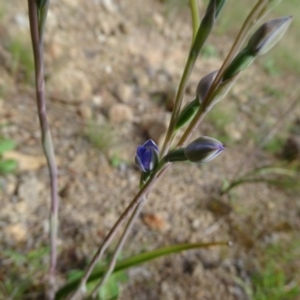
point(111, 69)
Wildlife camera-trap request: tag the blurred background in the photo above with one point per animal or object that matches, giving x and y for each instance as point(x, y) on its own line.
point(112, 69)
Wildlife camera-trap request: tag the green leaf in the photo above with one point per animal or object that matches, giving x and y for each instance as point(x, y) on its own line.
point(7, 166)
point(134, 261)
point(6, 145)
point(16, 257)
point(220, 4)
point(111, 289)
point(204, 30)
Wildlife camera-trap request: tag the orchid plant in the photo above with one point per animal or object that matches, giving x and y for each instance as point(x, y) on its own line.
point(152, 162)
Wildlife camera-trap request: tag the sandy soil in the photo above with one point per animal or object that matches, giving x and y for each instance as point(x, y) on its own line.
point(112, 68)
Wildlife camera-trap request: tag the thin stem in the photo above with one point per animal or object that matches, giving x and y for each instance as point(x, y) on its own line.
point(195, 17)
point(245, 180)
point(109, 237)
point(242, 35)
point(37, 45)
point(203, 32)
point(150, 183)
point(178, 101)
point(120, 246)
point(251, 19)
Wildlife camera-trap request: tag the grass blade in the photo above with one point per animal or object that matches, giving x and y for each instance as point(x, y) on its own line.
point(134, 261)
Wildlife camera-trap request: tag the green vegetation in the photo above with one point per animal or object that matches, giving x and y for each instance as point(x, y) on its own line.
point(100, 136)
point(6, 165)
point(270, 67)
point(111, 290)
point(21, 279)
point(22, 62)
point(277, 278)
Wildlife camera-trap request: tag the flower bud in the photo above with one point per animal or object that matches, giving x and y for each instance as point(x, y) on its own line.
point(242, 61)
point(147, 156)
point(268, 34)
point(222, 91)
point(187, 113)
point(204, 85)
point(203, 149)
point(268, 7)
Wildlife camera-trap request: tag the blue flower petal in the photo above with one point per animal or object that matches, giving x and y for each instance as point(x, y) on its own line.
point(139, 164)
point(150, 145)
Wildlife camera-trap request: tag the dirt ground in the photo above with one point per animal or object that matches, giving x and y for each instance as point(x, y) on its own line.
point(112, 68)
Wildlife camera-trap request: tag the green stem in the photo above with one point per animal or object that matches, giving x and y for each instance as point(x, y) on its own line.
point(37, 45)
point(178, 101)
point(245, 180)
point(251, 19)
point(195, 17)
point(201, 37)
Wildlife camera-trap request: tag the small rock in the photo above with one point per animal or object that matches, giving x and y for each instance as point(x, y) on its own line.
point(142, 78)
point(17, 232)
point(11, 184)
point(26, 162)
point(124, 92)
point(29, 190)
point(71, 85)
point(120, 113)
point(156, 222)
point(124, 27)
point(158, 20)
point(109, 5)
point(85, 112)
point(97, 100)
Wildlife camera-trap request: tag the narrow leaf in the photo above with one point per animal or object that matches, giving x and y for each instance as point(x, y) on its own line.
point(134, 261)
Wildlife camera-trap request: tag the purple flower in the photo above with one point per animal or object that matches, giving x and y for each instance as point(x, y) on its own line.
point(147, 156)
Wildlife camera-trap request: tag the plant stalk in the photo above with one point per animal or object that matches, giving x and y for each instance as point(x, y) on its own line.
point(120, 246)
point(195, 122)
point(81, 290)
point(195, 17)
point(251, 19)
point(47, 143)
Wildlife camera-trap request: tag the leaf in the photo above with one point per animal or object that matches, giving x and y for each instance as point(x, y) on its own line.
point(134, 261)
point(6, 145)
point(7, 166)
point(16, 257)
point(110, 290)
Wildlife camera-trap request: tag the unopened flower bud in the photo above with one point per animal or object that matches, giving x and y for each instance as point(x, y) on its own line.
point(204, 85)
point(222, 91)
point(203, 149)
point(147, 156)
point(187, 113)
point(242, 61)
point(268, 34)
